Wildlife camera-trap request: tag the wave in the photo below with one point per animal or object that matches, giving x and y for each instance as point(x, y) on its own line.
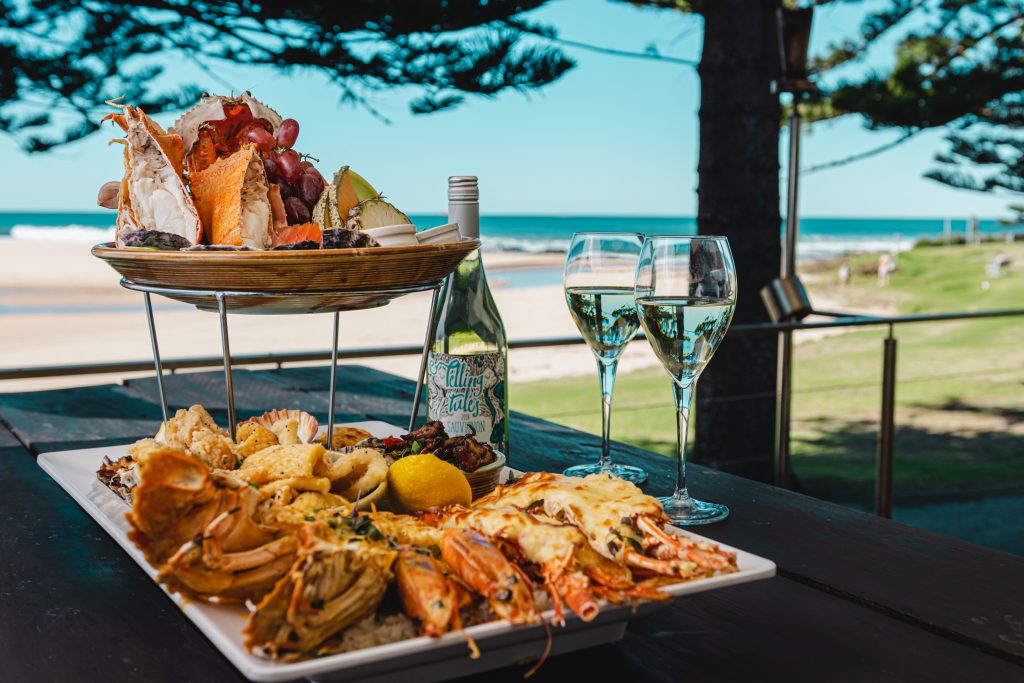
point(72, 233)
point(527, 246)
point(809, 247)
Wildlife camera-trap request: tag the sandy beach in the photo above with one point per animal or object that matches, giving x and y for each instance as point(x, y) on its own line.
point(62, 306)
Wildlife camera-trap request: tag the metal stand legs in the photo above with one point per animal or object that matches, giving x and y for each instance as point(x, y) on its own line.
point(222, 311)
point(156, 357)
point(334, 384)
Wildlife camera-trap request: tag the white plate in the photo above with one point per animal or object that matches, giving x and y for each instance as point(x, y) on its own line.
point(432, 659)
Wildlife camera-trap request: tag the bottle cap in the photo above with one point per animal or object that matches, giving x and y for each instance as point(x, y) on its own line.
point(463, 188)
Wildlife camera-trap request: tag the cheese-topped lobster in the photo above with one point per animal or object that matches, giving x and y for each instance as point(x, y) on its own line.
point(621, 522)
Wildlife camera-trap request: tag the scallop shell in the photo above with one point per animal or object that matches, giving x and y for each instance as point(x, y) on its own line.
point(211, 108)
point(306, 424)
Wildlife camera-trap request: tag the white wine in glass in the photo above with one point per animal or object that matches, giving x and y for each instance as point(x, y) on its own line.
point(685, 292)
point(599, 272)
point(605, 316)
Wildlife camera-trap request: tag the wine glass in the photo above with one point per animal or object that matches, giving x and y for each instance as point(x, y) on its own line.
point(599, 272)
point(685, 294)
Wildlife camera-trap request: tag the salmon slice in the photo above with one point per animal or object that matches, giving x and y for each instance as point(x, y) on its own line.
point(298, 233)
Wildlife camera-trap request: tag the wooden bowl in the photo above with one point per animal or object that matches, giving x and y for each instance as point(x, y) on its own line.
point(484, 479)
point(368, 270)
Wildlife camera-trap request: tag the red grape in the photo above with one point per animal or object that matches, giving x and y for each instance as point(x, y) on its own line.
point(264, 140)
point(288, 166)
point(309, 188)
point(286, 189)
point(270, 166)
point(287, 133)
point(315, 173)
point(297, 211)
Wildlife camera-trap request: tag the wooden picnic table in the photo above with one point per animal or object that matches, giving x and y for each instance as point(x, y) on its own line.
point(857, 598)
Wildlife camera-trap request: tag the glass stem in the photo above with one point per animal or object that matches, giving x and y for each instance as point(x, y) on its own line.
point(684, 398)
point(606, 371)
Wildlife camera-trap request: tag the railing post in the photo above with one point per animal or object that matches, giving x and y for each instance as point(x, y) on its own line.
point(784, 367)
point(783, 404)
point(887, 430)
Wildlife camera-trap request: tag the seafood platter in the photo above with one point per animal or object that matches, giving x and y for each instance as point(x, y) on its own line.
point(222, 200)
point(379, 556)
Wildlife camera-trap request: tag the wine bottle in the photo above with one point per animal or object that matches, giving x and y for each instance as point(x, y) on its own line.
point(468, 364)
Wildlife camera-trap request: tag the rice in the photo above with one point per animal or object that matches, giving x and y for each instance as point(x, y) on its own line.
point(380, 629)
point(374, 630)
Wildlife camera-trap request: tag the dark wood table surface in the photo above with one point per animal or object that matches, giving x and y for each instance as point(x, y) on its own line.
point(857, 598)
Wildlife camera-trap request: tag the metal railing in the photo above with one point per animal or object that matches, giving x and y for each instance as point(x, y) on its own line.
point(887, 418)
point(278, 359)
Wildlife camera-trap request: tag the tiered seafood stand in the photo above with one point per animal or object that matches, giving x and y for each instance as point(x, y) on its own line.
point(288, 283)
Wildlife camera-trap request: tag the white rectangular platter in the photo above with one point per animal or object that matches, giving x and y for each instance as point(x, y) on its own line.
point(432, 659)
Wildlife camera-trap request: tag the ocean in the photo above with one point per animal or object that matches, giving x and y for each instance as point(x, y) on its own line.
point(819, 237)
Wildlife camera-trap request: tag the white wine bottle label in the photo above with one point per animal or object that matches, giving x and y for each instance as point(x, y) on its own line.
point(467, 394)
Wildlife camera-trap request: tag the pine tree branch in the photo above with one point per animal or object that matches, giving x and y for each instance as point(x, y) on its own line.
point(884, 22)
point(99, 49)
point(616, 52)
point(835, 163)
point(964, 46)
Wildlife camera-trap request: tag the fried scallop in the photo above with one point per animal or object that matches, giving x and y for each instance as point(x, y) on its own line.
point(195, 432)
point(283, 462)
point(344, 437)
point(358, 472)
point(253, 437)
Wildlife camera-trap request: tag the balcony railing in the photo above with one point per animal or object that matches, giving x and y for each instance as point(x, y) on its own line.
point(887, 421)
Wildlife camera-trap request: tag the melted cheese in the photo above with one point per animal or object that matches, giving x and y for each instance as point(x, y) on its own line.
point(540, 542)
point(599, 505)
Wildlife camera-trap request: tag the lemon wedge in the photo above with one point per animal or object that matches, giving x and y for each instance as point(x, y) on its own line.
point(423, 481)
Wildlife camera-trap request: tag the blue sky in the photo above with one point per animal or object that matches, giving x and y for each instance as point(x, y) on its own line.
point(614, 136)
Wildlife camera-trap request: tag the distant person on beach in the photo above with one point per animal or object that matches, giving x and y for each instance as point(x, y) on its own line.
point(885, 268)
point(999, 262)
point(844, 273)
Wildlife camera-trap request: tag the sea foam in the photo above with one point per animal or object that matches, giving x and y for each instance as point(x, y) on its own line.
point(72, 233)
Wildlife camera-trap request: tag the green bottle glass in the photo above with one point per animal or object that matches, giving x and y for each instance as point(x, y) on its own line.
point(467, 372)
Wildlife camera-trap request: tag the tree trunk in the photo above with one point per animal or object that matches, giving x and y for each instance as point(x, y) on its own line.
point(738, 196)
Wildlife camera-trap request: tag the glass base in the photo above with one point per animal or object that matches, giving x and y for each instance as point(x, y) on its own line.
point(687, 511)
point(627, 472)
